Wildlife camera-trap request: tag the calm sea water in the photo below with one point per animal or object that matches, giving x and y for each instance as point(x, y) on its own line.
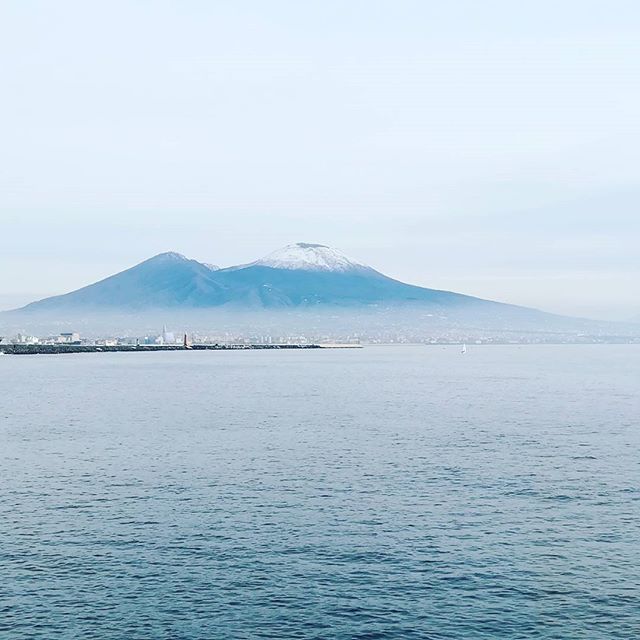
point(389, 492)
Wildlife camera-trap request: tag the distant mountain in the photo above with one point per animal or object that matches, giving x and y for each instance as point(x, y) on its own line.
point(302, 288)
point(166, 280)
point(309, 275)
point(299, 275)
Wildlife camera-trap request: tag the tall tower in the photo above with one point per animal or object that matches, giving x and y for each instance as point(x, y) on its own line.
point(167, 336)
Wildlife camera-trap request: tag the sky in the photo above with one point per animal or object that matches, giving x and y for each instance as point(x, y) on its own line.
point(490, 148)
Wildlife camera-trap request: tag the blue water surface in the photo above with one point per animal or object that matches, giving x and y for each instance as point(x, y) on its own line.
point(387, 492)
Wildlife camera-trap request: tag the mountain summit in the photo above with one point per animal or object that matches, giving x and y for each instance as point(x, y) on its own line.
point(309, 257)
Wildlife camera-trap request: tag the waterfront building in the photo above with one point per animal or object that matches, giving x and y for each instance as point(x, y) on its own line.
point(69, 338)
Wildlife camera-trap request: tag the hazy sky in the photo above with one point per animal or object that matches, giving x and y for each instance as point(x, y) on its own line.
point(491, 148)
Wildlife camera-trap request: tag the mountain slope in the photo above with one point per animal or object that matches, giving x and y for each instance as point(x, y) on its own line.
point(166, 280)
point(273, 287)
point(313, 275)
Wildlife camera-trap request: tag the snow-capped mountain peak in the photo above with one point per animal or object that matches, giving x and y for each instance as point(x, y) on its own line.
point(309, 257)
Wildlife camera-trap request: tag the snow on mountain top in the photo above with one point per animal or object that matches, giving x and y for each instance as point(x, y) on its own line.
point(170, 255)
point(309, 257)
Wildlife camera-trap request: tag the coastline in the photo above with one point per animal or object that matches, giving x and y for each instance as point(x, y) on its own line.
point(61, 349)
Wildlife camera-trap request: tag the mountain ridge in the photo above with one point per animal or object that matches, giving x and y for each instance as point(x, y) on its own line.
point(298, 275)
point(299, 288)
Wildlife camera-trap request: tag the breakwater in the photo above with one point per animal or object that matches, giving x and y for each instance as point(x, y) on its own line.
point(55, 349)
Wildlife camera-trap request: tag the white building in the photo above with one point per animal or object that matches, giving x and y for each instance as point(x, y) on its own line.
point(166, 337)
point(107, 342)
point(69, 338)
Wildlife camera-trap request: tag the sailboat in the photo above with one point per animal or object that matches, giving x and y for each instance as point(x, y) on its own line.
point(464, 348)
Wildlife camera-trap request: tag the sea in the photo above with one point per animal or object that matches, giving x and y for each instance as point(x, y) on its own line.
point(389, 492)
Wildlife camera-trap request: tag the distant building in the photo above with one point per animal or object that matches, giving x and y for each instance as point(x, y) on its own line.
point(107, 342)
point(166, 337)
point(69, 338)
